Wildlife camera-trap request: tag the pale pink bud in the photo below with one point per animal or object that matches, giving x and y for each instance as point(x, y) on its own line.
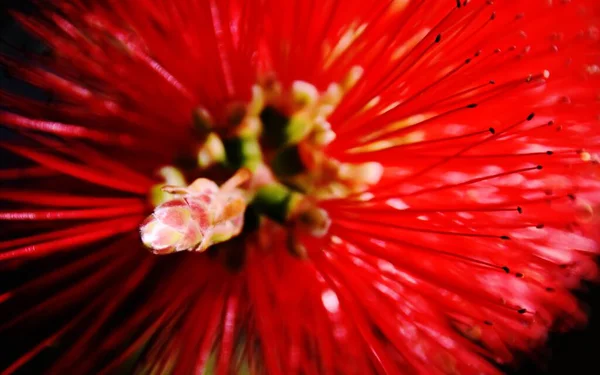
point(202, 215)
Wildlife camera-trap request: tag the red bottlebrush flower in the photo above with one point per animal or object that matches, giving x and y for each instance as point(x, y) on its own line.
point(418, 193)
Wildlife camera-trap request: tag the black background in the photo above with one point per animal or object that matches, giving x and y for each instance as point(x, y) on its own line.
point(576, 352)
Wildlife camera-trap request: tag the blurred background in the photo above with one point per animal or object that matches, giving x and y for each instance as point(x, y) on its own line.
point(576, 352)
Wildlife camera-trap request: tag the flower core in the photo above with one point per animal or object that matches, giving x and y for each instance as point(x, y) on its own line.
point(385, 187)
point(276, 143)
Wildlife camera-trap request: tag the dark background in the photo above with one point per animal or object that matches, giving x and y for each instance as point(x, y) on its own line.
point(576, 352)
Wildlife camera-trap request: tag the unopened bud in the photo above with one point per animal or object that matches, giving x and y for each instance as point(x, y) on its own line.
point(200, 216)
point(316, 221)
point(322, 134)
point(304, 94)
point(333, 96)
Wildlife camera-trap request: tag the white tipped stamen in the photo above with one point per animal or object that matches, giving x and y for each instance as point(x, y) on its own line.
point(304, 94)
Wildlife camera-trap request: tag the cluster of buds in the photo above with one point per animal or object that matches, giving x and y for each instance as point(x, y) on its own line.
point(300, 138)
point(277, 143)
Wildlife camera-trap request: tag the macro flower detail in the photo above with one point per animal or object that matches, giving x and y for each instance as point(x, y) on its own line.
point(394, 187)
point(200, 217)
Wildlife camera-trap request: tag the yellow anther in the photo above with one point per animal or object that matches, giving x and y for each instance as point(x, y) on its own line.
point(304, 94)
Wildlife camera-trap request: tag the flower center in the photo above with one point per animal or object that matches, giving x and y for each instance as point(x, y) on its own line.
point(274, 147)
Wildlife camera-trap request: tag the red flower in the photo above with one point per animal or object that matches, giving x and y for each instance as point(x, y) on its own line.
point(421, 197)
